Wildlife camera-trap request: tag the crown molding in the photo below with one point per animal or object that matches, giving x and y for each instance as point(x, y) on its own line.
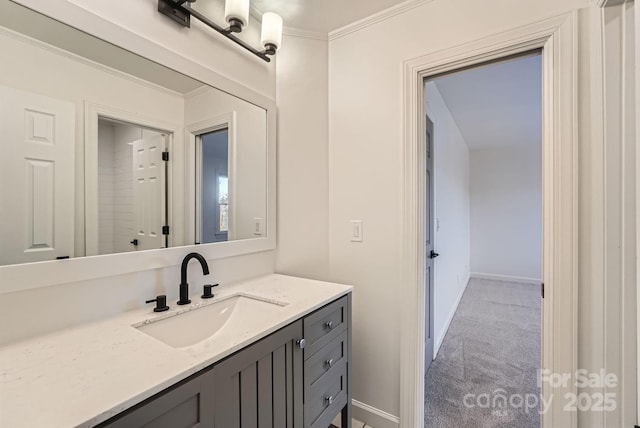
point(255, 12)
point(376, 18)
point(306, 34)
point(605, 3)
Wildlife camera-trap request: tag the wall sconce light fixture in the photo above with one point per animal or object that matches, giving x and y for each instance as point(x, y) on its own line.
point(236, 13)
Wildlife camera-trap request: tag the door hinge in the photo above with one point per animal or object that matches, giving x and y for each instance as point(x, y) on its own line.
point(542, 288)
point(165, 156)
point(165, 230)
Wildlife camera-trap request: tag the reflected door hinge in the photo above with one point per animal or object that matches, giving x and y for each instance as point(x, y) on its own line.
point(542, 288)
point(165, 230)
point(165, 156)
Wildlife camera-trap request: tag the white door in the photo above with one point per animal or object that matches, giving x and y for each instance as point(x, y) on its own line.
point(149, 191)
point(430, 253)
point(37, 136)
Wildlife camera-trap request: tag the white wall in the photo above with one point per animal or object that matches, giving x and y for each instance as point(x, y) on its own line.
point(365, 160)
point(303, 158)
point(506, 211)
point(452, 212)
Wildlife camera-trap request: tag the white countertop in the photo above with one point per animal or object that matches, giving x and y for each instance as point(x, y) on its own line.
point(83, 376)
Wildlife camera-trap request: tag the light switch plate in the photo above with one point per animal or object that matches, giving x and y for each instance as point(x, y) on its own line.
point(356, 230)
point(257, 230)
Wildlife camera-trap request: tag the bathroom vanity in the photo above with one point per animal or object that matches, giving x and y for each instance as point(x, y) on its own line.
point(296, 376)
point(290, 368)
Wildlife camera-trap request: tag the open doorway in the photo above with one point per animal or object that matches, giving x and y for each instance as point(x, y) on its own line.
point(483, 222)
point(132, 187)
point(212, 186)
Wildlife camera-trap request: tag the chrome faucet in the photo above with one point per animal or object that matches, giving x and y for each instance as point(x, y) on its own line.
point(184, 285)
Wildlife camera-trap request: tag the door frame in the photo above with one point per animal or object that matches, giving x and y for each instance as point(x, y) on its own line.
point(192, 132)
point(557, 38)
point(92, 114)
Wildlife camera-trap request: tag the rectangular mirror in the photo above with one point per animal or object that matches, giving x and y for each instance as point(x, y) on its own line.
point(107, 152)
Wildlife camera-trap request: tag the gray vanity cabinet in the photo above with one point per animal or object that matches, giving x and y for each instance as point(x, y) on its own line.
point(279, 381)
point(261, 386)
point(188, 404)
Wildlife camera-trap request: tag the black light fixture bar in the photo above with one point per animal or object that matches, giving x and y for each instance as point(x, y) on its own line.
point(175, 10)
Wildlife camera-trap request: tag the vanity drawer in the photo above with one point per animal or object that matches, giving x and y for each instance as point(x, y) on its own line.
point(324, 325)
point(325, 361)
point(326, 398)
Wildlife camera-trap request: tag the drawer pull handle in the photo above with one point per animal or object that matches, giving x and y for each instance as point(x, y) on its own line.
point(301, 343)
point(329, 362)
point(329, 325)
point(329, 400)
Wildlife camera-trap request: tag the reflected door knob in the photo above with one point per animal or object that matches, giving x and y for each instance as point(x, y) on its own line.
point(433, 255)
point(134, 242)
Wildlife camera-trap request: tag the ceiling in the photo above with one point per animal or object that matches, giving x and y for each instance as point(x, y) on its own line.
point(322, 15)
point(499, 104)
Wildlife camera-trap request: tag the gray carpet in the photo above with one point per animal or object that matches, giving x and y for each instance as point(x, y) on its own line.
point(493, 343)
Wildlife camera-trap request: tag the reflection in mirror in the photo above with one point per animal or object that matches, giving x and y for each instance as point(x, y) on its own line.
point(132, 186)
point(212, 186)
point(107, 152)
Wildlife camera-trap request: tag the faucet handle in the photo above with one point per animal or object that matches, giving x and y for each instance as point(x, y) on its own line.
point(207, 294)
point(161, 303)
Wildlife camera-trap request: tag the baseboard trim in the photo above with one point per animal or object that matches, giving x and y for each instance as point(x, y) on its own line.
point(520, 279)
point(440, 338)
point(373, 417)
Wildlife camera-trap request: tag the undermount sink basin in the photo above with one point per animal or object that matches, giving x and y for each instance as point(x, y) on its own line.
point(189, 327)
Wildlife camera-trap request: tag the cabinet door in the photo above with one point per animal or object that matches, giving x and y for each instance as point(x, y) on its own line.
point(261, 385)
point(189, 404)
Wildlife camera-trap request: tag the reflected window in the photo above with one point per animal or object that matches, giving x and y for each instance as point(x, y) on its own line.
point(223, 203)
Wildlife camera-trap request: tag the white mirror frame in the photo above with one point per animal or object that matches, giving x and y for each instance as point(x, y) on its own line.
point(42, 274)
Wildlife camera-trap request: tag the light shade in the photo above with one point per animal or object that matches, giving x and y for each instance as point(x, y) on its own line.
point(237, 10)
point(271, 30)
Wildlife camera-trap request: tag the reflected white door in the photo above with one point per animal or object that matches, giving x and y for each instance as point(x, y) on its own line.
point(149, 191)
point(37, 135)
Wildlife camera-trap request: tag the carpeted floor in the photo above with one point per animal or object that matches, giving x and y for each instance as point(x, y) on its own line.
point(492, 349)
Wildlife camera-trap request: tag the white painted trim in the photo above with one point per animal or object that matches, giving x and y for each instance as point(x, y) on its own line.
point(376, 18)
point(373, 417)
point(305, 34)
point(557, 38)
point(606, 3)
point(496, 277)
point(637, 220)
point(447, 323)
point(42, 274)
